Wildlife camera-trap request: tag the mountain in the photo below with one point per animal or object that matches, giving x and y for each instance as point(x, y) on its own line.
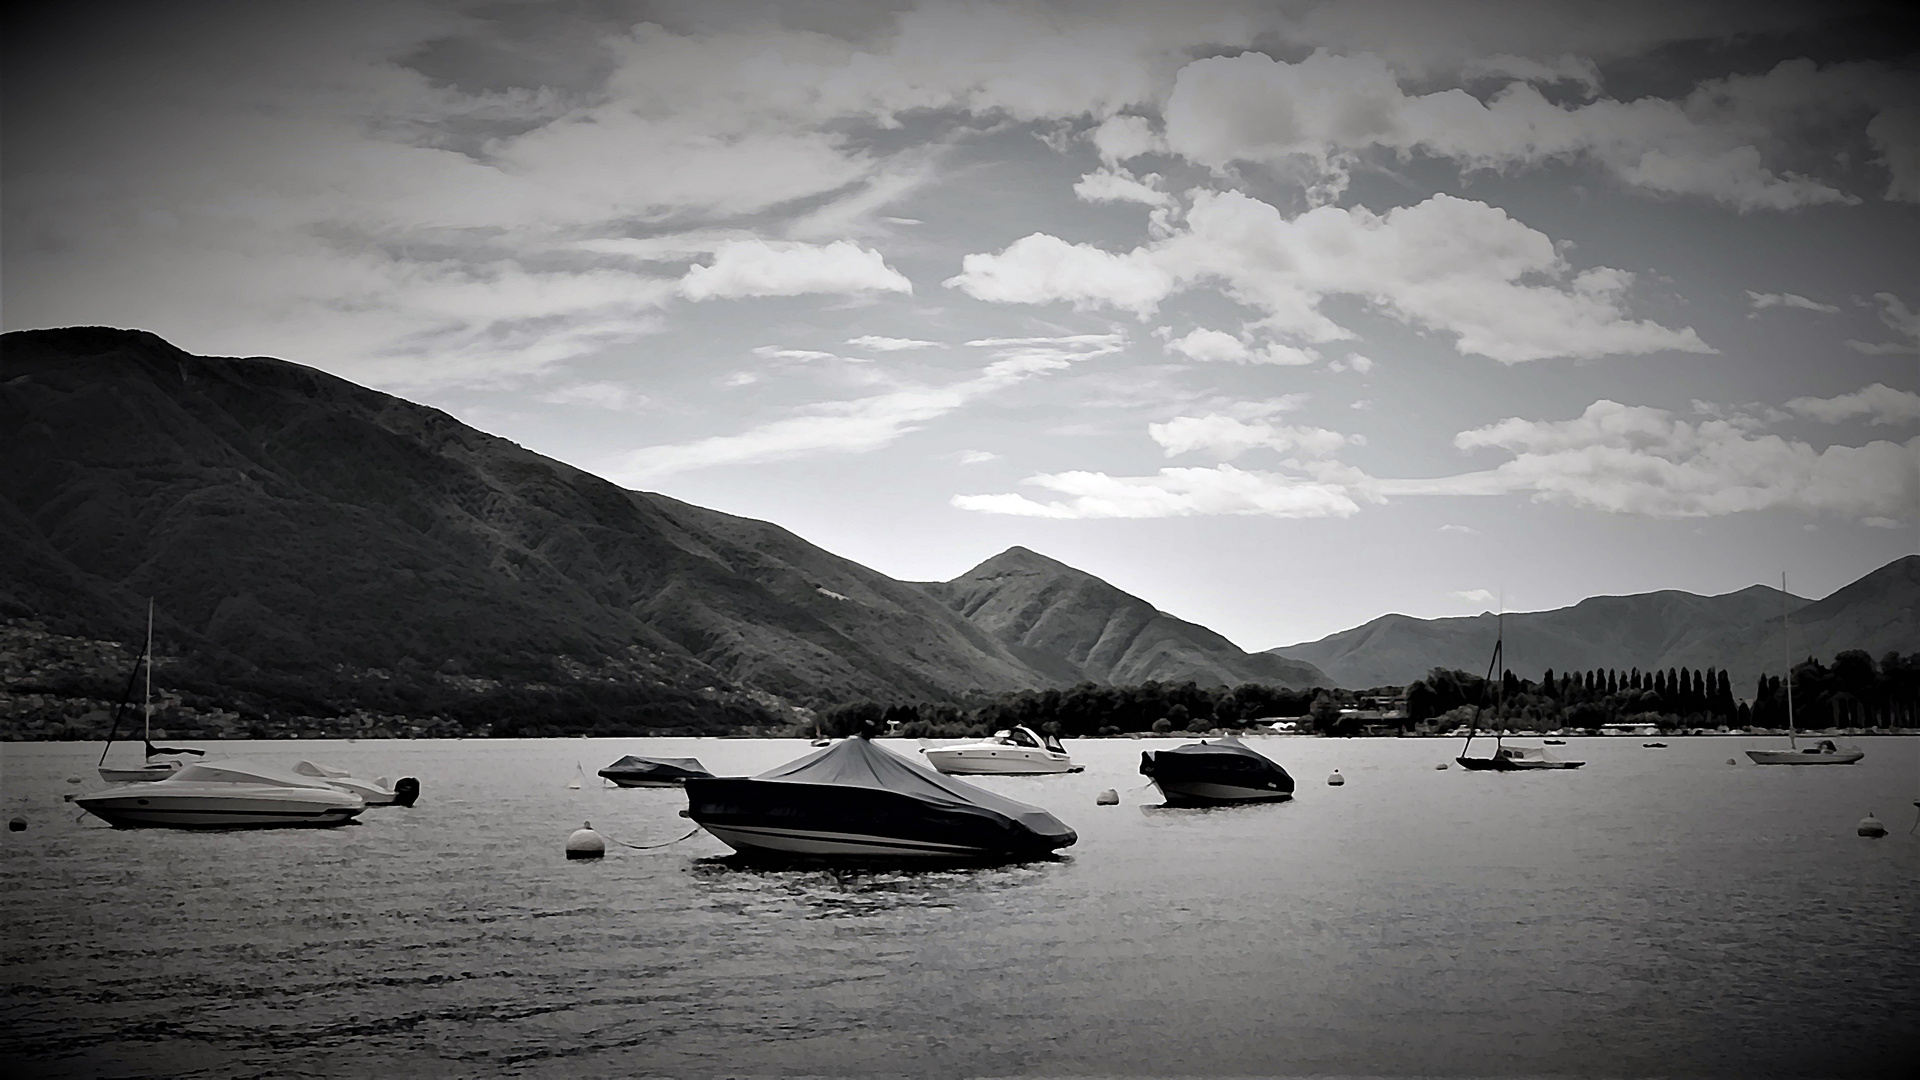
point(288, 521)
point(1075, 626)
point(1738, 632)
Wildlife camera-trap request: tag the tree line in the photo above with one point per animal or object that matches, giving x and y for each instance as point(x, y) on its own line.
point(1853, 692)
point(1089, 709)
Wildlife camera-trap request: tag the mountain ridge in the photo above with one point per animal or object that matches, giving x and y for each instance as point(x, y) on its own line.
point(1738, 632)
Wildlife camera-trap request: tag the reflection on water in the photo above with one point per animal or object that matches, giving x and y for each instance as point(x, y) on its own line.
point(750, 889)
point(1650, 914)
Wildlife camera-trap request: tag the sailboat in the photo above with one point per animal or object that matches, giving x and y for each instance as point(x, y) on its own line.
point(1824, 752)
point(152, 770)
point(1505, 758)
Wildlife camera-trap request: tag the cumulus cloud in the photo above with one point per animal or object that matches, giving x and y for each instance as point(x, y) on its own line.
point(1463, 530)
point(1473, 596)
point(1323, 110)
point(1613, 458)
point(1760, 301)
point(977, 457)
point(867, 423)
point(1448, 264)
point(1879, 404)
point(1640, 460)
point(744, 268)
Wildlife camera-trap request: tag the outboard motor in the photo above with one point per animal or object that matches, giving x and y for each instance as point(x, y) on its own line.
point(405, 791)
point(1146, 764)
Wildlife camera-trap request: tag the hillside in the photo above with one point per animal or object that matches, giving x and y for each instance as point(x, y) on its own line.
point(290, 524)
point(1738, 632)
point(1076, 626)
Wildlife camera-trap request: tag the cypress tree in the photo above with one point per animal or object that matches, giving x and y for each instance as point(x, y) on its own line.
point(1613, 681)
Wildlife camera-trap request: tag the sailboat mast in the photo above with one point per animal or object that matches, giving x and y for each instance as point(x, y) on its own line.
point(1787, 646)
point(147, 707)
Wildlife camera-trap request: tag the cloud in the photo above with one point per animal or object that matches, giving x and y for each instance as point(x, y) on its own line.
point(977, 457)
point(1879, 403)
point(1447, 264)
point(1041, 269)
point(1322, 111)
point(1473, 596)
point(743, 268)
point(1759, 301)
point(1170, 493)
point(800, 356)
point(868, 423)
point(1227, 437)
point(1122, 138)
point(1356, 362)
point(1612, 458)
point(1639, 460)
point(1882, 523)
point(889, 344)
point(619, 397)
point(1210, 345)
point(1464, 530)
point(1901, 320)
point(1118, 185)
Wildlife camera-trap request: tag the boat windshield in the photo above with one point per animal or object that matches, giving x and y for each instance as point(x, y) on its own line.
point(1023, 737)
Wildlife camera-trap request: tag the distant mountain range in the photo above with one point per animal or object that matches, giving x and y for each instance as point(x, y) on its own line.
point(1739, 632)
point(290, 523)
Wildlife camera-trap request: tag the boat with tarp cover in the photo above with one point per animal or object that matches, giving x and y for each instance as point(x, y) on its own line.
point(636, 771)
point(1215, 772)
point(857, 801)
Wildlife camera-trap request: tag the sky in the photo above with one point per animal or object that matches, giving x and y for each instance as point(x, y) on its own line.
point(1281, 316)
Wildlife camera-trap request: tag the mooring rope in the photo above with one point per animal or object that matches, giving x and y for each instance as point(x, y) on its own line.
point(647, 847)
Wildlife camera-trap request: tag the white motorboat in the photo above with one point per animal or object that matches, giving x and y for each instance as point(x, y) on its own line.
point(1825, 752)
point(151, 769)
point(1013, 752)
point(401, 792)
point(225, 795)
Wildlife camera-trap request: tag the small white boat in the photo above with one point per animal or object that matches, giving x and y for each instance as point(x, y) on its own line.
point(1825, 752)
point(1013, 752)
point(379, 792)
point(225, 795)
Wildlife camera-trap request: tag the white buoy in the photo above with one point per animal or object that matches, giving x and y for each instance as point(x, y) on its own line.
point(585, 843)
point(1108, 797)
point(73, 780)
point(1870, 826)
point(1442, 765)
point(1336, 779)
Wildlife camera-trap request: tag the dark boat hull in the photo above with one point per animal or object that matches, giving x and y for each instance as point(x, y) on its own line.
point(1215, 779)
point(774, 821)
point(1480, 764)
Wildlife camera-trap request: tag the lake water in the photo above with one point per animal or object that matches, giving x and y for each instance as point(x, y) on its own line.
point(1657, 913)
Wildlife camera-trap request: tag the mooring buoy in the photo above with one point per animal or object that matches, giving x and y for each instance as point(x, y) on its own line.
point(73, 780)
point(1870, 826)
point(1109, 797)
point(1336, 779)
point(585, 843)
point(18, 824)
point(1442, 765)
